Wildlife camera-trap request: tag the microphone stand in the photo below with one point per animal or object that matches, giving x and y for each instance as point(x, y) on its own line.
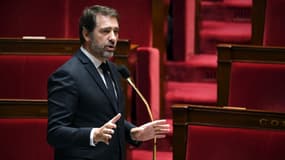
point(148, 110)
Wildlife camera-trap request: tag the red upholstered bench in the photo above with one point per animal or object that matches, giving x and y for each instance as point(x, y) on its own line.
point(25, 76)
point(189, 93)
point(221, 143)
point(24, 139)
point(257, 86)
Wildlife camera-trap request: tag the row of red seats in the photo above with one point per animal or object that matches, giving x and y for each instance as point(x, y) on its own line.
point(30, 72)
point(59, 19)
point(255, 86)
point(249, 121)
point(24, 81)
point(24, 78)
point(24, 138)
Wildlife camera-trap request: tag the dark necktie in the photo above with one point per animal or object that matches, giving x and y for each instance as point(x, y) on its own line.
point(108, 80)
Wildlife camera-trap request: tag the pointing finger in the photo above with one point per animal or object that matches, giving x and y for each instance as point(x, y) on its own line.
point(116, 118)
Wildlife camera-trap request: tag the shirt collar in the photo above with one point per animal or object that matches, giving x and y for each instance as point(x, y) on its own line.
point(93, 59)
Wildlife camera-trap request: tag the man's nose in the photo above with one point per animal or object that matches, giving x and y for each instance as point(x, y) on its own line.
point(113, 36)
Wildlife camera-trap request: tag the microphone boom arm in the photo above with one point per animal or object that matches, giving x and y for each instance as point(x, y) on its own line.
point(142, 97)
point(125, 74)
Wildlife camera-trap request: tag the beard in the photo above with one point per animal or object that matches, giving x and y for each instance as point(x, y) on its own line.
point(107, 54)
point(99, 51)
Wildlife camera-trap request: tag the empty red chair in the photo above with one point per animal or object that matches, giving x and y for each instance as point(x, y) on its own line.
point(25, 139)
point(258, 86)
point(25, 76)
point(251, 77)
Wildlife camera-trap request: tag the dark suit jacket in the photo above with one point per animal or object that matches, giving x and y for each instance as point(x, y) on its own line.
point(77, 102)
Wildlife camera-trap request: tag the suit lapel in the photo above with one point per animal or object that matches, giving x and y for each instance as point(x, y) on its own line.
point(97, 78)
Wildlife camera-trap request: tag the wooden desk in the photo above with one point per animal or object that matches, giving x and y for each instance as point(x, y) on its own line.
point(184, 115)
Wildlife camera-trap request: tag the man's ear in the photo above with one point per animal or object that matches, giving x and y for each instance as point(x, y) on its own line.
point(85, 34)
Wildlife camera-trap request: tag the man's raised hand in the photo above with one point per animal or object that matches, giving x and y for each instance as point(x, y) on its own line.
point(104, 133)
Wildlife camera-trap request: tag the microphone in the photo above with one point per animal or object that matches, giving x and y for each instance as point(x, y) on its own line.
point(125, 73)
point(123, 70)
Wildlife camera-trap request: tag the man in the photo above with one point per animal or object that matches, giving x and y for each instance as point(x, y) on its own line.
point(85, 100)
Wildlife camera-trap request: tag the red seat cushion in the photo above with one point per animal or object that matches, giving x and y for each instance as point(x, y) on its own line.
point(217, 143)
point(138, 154)
point(24, 139)
point(25, 76)
point(258, 86)
point(34, 17)
point(67, 14)
point(189, 93)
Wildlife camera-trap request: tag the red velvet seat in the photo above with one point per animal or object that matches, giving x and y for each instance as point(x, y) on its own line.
point(262, 83)
point(24, 139)
point(25, 76)
point(190, 93)
point(147, 78)
point(219, 143)
point(251, 81)
point(67, 13)
point(65, 25)
point(252, 77)
point(33, 18)
point(29, 73)
point(59, 19)
point(198, 26)
point(142, 154)
point(215, 133)
point(258, 86)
